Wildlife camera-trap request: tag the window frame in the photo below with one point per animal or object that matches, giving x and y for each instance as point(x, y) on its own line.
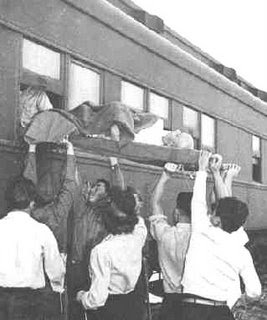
point(145, 95)
point(86, 65)
point(198, 140)
point(202, 146)
point(52, 86)
point(259, 165)
point(168, 120)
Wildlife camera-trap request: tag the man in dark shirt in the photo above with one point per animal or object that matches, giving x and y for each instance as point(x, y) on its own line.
point(88, 230)
point(54, 213)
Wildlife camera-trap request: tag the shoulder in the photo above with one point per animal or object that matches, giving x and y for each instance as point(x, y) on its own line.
point(44, 231)
point(103, 250)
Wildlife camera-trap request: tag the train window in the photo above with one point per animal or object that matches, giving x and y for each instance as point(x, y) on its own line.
point(256, 159)
point(191, 124)
point(159, 105)
point(40, 59)
point(207, 132)
point(132, 95)
point(84, 85)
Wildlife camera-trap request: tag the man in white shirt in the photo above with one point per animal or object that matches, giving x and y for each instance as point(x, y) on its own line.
point(214, 261)
point(28, 250)
point(172, 243)
point(115, 263)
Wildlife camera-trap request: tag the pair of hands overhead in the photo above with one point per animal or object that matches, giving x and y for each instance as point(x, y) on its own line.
point(213, 163)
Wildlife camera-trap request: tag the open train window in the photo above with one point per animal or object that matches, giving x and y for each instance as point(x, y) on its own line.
point(159, 106)
point(208, 133)
point(256, 159)
point(84, 85)
point(40, 59)
point(191, 125)
point(133, 95)
point(41, 69)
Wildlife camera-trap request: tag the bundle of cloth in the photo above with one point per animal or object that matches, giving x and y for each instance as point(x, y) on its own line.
point(51, 125)
point(178, 139)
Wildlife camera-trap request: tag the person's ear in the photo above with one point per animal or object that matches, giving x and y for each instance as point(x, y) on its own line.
point(216, 221)
point(32, 205)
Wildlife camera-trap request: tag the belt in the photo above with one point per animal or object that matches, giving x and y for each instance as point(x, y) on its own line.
point(205, 301)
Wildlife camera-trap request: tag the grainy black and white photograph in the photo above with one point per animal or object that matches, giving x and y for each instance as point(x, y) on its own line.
point(133, 141)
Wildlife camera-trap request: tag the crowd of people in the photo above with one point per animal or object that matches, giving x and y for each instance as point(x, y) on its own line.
point(89, 240)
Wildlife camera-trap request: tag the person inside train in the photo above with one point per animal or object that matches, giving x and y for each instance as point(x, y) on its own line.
point(28, 251)
point(214, 261)
point(115, 263)
point(172, 242)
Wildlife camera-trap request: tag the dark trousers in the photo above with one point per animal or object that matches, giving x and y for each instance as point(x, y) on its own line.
point(28, 304)
point(77, 280)
point(120, 307)
point(193, 311)
point(172, 307)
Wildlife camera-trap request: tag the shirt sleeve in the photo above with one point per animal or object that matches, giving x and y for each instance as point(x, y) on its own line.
point(30, 171)
point(199, 210)
point(140, 230)
point(53, 262)
point(100, 269)
point(61, 206)
point(117, 177)
point(249, 275)
point(64, 199)
point(159, 226)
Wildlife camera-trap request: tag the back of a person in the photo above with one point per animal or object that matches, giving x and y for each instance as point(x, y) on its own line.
point(215, 261)
point(21, 240)
point(172, 249)
point(126, 257)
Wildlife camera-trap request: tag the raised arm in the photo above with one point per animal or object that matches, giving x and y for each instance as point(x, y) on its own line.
point(232, 172)
point(220, 188)
point(199, 204)
point(116, 174)
point(53, 213)
point(158, 192)
point(64, 200)
point(158, 221)
point(30, 171)
point(169, 168)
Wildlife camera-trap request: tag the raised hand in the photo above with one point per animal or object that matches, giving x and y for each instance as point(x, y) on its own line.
point(69, 145)
point(215, 163)
point(203, 161)
point(233, 170)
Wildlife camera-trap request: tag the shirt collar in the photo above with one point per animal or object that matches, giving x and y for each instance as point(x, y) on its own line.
point(240, 236)
point(18, 213)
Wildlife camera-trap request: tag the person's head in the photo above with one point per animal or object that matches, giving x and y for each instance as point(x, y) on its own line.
point(99, 190)
point(182, 212)
point(20, 193)
point(121, 216)
point(138, 199)
point(230, 214)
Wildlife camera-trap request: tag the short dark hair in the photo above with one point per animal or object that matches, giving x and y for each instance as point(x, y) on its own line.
point(19, 193)
point(183, 202)
point(106, 183)
point(233, 213)
point(124, 201)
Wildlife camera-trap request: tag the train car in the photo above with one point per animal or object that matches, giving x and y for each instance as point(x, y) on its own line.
point(103, 51)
